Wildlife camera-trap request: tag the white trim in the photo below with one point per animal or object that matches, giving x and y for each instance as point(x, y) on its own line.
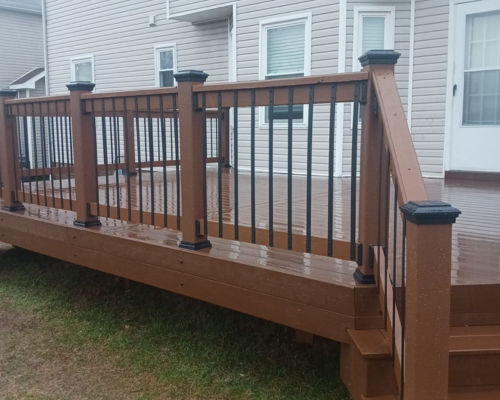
point(30, 83)
point(179, 16)
point(45, 49)
point(339, 142)
point(74, 60)
point(264, 25)
point(448, 119)
point(411, 65)
point(157, 49)
point(234, 45)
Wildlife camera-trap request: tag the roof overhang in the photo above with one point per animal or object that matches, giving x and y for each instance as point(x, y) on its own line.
point(29, 83)
point(204, 15)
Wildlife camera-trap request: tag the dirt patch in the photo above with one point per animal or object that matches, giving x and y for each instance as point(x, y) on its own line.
point(34, 366)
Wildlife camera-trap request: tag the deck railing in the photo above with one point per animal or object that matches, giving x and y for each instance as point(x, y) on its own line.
point(144, 156)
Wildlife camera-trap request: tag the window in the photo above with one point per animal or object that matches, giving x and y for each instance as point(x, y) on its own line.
point(373, 30)
point(285, 53)
point(165, 61)
point(482, 70)
point(82, 69)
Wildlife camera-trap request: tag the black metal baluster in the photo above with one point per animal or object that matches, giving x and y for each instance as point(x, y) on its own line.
point(290, 168)
point(394, 272)
point(205, 155)
point(271, 167)
point(354, 164)
point(139, 172)
point(26, 144)
point(158, 138)
point(386, 249)
point(220, 165)
point(177, 162)
point(68, 151)
point(105, 154)
point(331, 154)
point(235, 144)
point(35, 151)
point(59, 153)
point(211, 138)
point(126, 128)
point(252, 163)
point(164, 151)
point(379, 233)
point(117, 174)
point(145, 140)
point(309, 169)
point(26, 153)
point(151, 160)
point(71, 142)
point(20, 144)
point(171, 140)
point(44, 152)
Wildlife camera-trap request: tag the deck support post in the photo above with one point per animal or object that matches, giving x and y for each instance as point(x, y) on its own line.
point(427, 299)
point(84, 139)
point(225, 137)
point(374, 174)
point(130, 152)
point(9, 155)
point(192, 160)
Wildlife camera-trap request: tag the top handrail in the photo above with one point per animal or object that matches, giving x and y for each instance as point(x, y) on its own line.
point(285, 82)
point(398, 138)
point(44, 99)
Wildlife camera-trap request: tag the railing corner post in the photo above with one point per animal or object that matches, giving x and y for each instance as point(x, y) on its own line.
point(374, 176)
point(427, 297)
point(85, 157)
point(9, 155)
point(192, 160)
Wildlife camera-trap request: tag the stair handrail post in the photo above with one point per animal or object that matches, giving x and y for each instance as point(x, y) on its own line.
point(374, 175)
point(427, 298)
point(9, 154)
point(192, 160)
point(85, 157)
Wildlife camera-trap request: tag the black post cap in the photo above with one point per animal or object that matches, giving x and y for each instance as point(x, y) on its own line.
point(81, 85)
point(191, 76)
point(379, 57)
point(8, 93)
point(430, 212)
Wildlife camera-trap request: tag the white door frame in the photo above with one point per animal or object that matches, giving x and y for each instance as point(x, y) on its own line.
point(450, 81)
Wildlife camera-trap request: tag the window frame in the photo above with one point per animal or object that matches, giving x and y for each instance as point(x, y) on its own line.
point(273, 23)
point(360, 12)
point(158, 49)
point(78, 60)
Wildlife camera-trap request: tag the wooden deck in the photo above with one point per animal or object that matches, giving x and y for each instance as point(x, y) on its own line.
point(476, 234)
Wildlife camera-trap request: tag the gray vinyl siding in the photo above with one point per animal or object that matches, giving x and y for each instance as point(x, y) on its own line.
point(401, 45)
point(21, 44)
point(324, 60)
point(118, 35)
point(429, 84)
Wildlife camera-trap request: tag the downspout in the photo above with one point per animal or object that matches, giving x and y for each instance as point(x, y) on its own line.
point(410, 68)
point(339, 140)
point(45, 56)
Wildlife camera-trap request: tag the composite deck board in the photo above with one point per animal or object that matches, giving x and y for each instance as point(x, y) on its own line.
point(476, 235)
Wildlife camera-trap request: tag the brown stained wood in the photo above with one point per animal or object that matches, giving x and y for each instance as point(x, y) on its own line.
point(405, 165)
point(302, 337)
point(469, 175)
point(210, 264)
point(476, 394)
point(322, 95)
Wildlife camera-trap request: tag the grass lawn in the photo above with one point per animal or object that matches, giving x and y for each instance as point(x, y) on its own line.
point(68, 332)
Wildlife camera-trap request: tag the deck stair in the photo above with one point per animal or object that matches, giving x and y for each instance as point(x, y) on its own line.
point(474, 364)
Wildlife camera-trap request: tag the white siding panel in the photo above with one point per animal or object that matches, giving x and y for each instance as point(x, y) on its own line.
point(21, 44)
point(430, 77)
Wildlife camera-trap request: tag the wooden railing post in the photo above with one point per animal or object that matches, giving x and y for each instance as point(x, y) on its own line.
point(130, 141)
point(84, 143)
point(428, 287)
point(9, 155)
point(192, 160)
point(373, 202)
point(225, 132)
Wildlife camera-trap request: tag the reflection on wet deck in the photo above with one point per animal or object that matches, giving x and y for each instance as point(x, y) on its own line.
point(476, 235)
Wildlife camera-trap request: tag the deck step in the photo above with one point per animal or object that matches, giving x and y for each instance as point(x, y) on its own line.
point(476, 394)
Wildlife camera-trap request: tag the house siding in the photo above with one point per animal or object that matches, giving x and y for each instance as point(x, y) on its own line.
point(21, 44)
point(429, 84)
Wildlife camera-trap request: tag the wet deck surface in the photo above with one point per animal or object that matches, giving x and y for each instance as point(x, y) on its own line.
point(476, 235)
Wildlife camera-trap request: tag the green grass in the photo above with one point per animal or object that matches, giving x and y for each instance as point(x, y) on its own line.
point(195, 349)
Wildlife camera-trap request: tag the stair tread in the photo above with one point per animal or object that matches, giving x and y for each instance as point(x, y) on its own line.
point(387, 397)
point(477, 395)
point(465, 340)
